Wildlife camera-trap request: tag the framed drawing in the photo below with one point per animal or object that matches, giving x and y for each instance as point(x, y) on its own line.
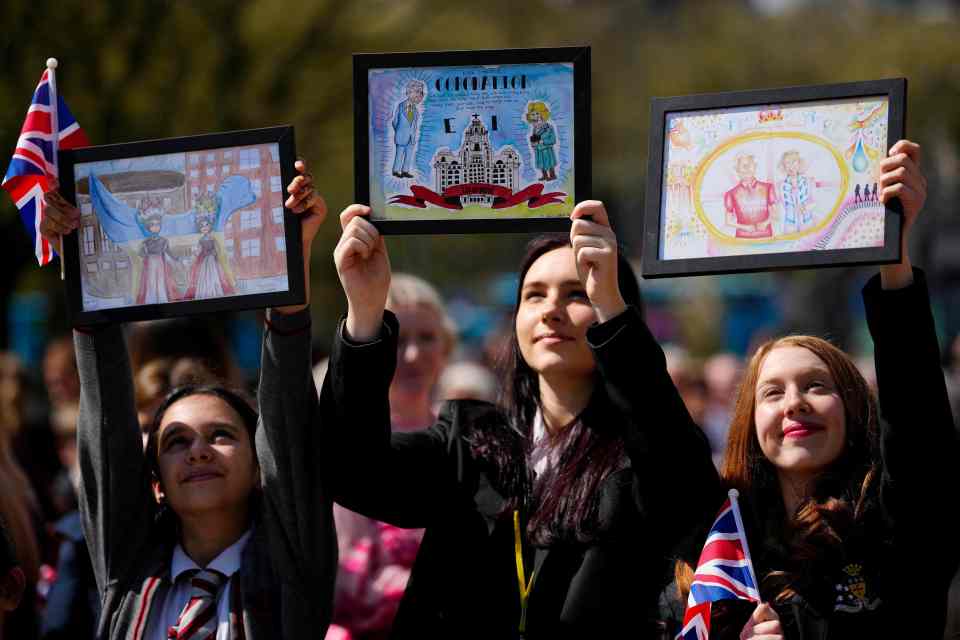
point(472, 141)
point(772, 179)
point(181, 226)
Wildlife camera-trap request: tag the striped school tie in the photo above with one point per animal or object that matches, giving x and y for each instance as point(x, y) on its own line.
point(198, 620)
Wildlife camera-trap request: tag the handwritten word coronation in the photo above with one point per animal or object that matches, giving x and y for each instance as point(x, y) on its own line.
point(481, 83)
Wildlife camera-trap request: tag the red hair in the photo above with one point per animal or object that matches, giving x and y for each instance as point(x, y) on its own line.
point(840, 495)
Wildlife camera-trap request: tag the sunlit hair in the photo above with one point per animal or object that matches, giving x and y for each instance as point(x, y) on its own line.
point(407, 290)
point(840, 497)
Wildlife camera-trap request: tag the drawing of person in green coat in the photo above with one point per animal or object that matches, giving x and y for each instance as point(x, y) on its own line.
point(542, 139)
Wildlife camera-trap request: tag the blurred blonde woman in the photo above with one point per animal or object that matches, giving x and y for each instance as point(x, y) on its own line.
point(375, 557)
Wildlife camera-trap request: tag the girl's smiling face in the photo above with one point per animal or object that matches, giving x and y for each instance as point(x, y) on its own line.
point(205, 457)
point(799, 413)
point(553, 317)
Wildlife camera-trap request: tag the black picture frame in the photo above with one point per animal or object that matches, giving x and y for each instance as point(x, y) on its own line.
point(768, 103)
point(419, 64)
point(163, 186)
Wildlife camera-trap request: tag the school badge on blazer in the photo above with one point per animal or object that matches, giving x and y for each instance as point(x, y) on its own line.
point(853, 592)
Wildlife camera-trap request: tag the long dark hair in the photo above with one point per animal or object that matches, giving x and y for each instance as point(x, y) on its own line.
point(564, 505)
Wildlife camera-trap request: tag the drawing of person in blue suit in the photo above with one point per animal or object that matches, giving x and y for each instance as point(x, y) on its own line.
point(405, 129)
point(542, 139)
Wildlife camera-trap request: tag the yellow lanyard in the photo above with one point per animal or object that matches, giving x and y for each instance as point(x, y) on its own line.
point(525, 587)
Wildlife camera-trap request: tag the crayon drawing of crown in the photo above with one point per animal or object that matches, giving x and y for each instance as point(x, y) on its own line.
point(771, 115)
point(206, 209)
point(151, 210)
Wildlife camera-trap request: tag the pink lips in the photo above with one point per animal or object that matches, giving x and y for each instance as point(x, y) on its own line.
point(552, 338)
point(801, 430)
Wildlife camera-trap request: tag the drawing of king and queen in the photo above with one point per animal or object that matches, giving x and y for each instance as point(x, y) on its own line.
point(144, 235)
point(751, 205)
point(475, 162)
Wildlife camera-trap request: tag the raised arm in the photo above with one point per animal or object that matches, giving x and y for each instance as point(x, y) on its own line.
point(919, 443)
point(398, 478)
point(115, 500)
point(676, 481)
point(290, 439)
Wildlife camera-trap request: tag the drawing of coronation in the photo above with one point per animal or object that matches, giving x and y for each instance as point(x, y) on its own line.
point(475, 163)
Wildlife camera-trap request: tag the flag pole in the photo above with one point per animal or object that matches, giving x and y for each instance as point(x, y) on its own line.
point(55, 136)
point(733, 493)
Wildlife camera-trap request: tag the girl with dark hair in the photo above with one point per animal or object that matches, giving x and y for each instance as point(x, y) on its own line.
point(222, 528)
point(555, 516)
point(841, 507)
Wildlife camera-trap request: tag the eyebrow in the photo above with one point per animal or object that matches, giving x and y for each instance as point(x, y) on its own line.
point(816, 371)
point(177, 427)
point(566, 283)
point(170, 432)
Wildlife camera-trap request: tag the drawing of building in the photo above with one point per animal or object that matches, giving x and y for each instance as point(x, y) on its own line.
point(476, 163)
point(254, 237)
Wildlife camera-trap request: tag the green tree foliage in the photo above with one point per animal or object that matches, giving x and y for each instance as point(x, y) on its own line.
point(139, 70)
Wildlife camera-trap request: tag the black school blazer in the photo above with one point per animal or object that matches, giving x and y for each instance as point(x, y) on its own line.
point(464, 582)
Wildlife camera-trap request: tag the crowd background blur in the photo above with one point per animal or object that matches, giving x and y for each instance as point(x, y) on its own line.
point(133, 71)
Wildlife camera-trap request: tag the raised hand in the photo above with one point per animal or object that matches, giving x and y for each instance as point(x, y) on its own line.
point(59, 217)
point(312, 211)
point(364, 270)
point(595, 249)
point(764, 624)
point(902, 179)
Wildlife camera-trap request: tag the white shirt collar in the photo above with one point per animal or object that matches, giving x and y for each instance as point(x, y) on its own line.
point(542, 456)
point(227, 563)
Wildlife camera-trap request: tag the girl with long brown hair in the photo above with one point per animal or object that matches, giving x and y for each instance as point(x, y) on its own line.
point(840, 499)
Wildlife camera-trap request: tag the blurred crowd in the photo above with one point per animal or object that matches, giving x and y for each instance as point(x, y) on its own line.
point(38, 458)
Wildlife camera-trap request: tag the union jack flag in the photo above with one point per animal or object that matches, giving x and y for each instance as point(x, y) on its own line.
point(34, 163)
point(724, 571)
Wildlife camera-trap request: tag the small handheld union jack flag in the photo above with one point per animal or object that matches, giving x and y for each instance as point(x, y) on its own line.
point(34, 163)
point(724, 571)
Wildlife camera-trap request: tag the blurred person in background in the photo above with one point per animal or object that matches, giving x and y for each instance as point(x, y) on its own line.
point(18, 510)
point(721, 372)
point(12, 579)
point(72, 603)
point(63, 391)
point(31, 438)
point(468, 381)
point(60, 373)
point(376, 557)
point(196, 338)
point(687, 375)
